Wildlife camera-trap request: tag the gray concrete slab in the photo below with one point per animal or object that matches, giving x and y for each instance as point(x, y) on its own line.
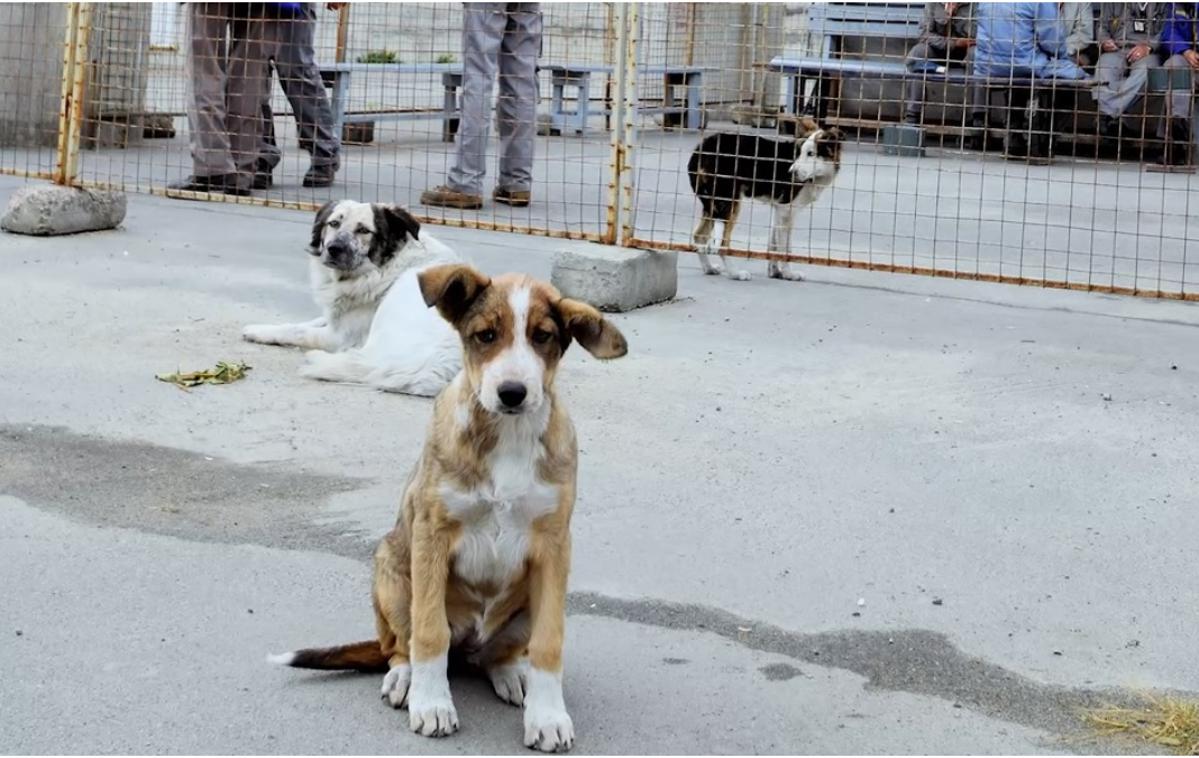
point(768, 454)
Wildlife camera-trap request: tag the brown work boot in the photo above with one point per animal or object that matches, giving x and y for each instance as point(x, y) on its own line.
point(515, 198)
point(445, 197)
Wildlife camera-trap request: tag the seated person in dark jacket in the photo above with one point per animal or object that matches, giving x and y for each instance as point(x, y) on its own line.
point(946, 39)
point(1180, 41)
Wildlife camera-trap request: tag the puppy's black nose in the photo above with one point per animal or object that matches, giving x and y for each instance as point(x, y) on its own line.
point(512, 394)
point(337, 249)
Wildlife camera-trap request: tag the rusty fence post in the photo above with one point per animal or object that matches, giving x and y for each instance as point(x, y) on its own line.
point(619, 226)
point(70, 109)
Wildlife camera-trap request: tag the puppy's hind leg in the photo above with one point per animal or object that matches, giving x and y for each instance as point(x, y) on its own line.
point(703, 243)
point(726, 239)
point(392, 600)
point(780, 242)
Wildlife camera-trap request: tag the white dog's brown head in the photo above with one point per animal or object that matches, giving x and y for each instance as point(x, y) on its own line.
point(514, 331)
point(355, 238)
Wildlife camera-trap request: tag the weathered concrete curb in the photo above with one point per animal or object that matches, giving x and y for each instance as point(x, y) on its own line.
point(49, 210)
point(616, 279)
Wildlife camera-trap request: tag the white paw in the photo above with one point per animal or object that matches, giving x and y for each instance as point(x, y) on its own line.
point(549, 730)
point(739, 276)
point(259, 333)
point(508, 681)
point(395, 685)
point(432, 718)
point(431, 711)
point(713, 269)
point(790, 276)
point(548, 727)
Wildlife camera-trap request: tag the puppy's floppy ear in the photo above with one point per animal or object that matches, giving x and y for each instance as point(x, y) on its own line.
point(591, 329)
point(834, 134)
point(318, 226)
point(396, 222)
point(452, 288)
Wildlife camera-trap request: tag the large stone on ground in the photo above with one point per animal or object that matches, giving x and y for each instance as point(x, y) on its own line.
point(49, 210)
point(615, 278)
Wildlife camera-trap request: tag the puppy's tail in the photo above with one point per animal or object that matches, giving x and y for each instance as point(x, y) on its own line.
point(358, 656)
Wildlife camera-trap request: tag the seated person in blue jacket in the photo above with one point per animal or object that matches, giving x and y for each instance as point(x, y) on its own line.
point(1180, 41)
point(946, 39)
point(1024, 41)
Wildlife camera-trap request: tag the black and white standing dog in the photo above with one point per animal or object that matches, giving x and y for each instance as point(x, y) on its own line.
point(727, 167)
point(374, 326)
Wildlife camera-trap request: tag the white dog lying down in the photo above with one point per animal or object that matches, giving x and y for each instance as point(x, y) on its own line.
point(375, 328)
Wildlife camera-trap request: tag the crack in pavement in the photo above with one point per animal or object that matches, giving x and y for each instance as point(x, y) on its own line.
point(914, 661)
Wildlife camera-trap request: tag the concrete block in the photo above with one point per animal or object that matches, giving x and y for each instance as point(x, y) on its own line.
point(903, 139)
point(616, 279)
point(49, 210)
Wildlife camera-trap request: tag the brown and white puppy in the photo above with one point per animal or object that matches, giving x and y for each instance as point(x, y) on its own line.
point(478, 559)
point(727, 166)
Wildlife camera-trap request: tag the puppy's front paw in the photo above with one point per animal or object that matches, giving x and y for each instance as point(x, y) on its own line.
point(548, 729)
point(432, 718)
point(508, 681)
point(739, 276)
point(395, 685)
point(431, 711)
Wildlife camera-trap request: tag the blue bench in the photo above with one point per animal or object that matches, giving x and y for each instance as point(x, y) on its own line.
point(689, 78)
point(337, 76)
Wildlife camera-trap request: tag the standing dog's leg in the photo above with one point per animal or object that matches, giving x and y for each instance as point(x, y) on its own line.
point(431, 709)
point(703, 243)
point(312, 335)
point(726, 239)
point(393, 614)
point(547, 725)
point(781, 222)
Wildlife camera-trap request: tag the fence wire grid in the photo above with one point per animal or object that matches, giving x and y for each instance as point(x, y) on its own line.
point(1048, 144)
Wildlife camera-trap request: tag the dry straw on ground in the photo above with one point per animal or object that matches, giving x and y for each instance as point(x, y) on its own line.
point(1165, 722)
point(224, 373)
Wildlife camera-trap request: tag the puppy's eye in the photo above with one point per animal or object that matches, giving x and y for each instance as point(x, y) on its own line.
point(334, 224)
point(362, 230)
point(486, 336)
point(541, 336)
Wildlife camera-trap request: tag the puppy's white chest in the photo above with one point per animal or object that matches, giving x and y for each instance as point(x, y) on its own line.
point(496, 519)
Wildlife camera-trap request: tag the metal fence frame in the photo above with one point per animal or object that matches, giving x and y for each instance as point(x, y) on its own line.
point(621, 195)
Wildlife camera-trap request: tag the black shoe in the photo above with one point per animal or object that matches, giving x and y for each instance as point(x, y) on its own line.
point(1109, 127)
point(320, 176)
point(222, 184)
point(1179, 145)
point(263, 175)
point(976, 139)
point(911, 119)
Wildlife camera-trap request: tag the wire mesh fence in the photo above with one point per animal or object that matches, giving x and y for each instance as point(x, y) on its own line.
point(1036, 143)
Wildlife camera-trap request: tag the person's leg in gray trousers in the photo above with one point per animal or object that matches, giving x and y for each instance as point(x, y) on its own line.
point(483, 26)
point(208, 25)
point(516, 109)
point(921, 53)
point(295, 64)
point(1123, 82)
point(227, 81)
